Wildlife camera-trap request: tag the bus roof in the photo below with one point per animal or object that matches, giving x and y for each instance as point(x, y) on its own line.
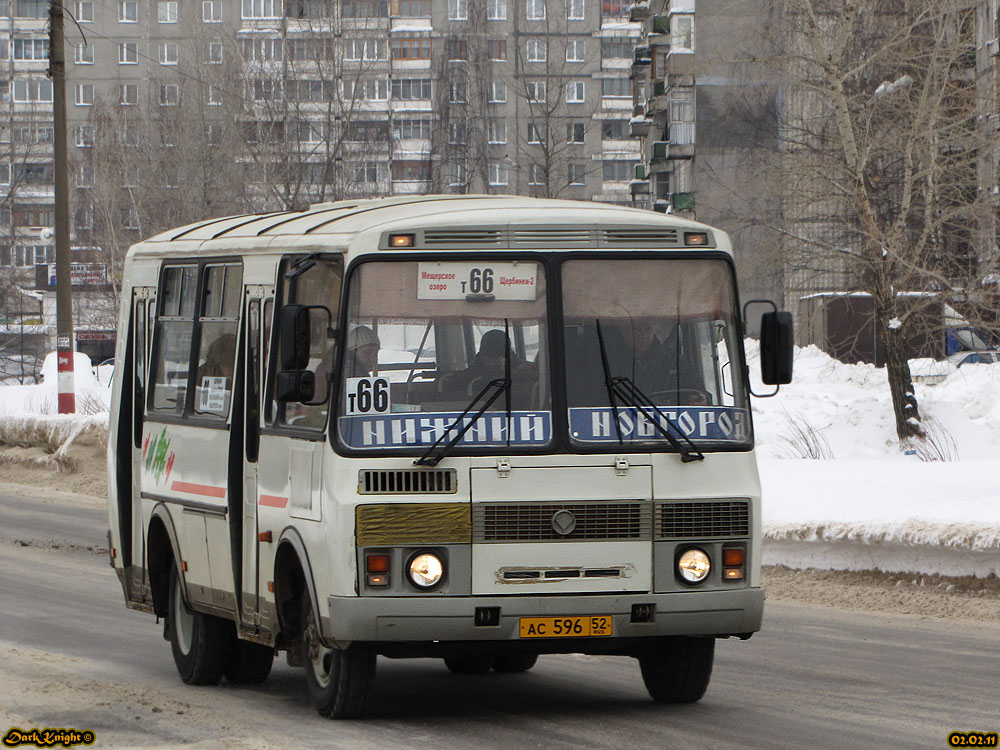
point(439, 222)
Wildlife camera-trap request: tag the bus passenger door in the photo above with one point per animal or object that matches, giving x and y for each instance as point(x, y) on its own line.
point(143, 308)
point(259, 305)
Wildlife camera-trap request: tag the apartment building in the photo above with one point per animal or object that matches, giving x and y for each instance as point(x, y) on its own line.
point(181, 109)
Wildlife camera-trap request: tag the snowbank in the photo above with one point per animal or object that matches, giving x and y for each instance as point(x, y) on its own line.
point(91, 397)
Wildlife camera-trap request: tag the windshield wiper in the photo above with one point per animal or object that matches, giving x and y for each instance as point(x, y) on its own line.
point(498, 386)
point(621, 387)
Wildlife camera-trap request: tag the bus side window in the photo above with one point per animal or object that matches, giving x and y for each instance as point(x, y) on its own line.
point(220, 320)
point(265, 356)
point(173, 331)
point(253, 378)
point(319, 284)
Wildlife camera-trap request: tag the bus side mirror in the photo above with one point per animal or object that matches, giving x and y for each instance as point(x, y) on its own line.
point(295, 386)
point(776, 348)
point(294, 337)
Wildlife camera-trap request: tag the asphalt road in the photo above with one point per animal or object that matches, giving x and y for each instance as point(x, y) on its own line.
point(814, 677)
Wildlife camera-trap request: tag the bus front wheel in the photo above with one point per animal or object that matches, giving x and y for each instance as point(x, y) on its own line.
point(677, 670)
point(201, 643)
point(338, 680)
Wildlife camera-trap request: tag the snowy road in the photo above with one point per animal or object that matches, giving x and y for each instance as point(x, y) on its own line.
point(73, 656)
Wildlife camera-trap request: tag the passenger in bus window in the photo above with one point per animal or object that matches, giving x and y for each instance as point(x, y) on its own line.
point(489, 365)
point(362, 353)
point(221, 357)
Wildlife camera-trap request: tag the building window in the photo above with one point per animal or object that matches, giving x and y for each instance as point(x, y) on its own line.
point(168, 53)
point(128, 53)
point(575, 174)
point(130, 134)
point(364, 9)
point(498, 174)
point(262, 49)
point(129, 93)
point(536, 92)
point(616, 49)
point(402, 49)
point(266, 90)
point(213, 134)
point(213, 53)
point(574, 92)
point(575, 132)
point(574, 10)
point(367, 89)
point(458, 10)
point(458, 49)
point(85, 54)
point(456, 133)
point(261, 9)
point(211, 11)
point(32, 90)
point(682, 119)
point(27, 50)
point(411, 129)
point(614, 9)
point(496, 10)
point(616, 87)
point(619, 171)
point(456, 174)
point(83, 217)
point(536, 50)
point(30, 9)
point(83, 136)
point(84, 94)
point(410, 89)
point(213, 96)
point(614, 130)
point(497, 93)
point(496, 49)
point(166, 11)
point(535, 10)
point(411, 8)
point(84, 11)
point(369, 172)
point(34, 215)
point(411, 171)
point(536, 174)
point(128, 11)
point(682, 33)
point(496, 131)
point(535, 134)
point(363, 131)
point(575, 50)
point(458, 92)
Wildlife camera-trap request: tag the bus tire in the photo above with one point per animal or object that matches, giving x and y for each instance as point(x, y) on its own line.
point(338, 680)
point(249, 663)
point(469, 664)
point(677, 670)
point(515, 663)
point(200, 643)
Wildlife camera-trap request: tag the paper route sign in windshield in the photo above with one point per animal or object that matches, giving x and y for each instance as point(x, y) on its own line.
point(409, 429)
point(720, 423)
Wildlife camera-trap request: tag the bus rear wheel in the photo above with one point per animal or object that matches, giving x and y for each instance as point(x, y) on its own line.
point(201, 644)
point(338, 680)
point(677, 670)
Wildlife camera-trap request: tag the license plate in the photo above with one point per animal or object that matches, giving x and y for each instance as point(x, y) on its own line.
point(565, 627)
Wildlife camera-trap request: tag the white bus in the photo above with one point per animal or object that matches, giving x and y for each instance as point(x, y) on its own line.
point(478, 428)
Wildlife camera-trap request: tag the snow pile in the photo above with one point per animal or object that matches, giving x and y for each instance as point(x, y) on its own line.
point(91, 397)
point(838, 490)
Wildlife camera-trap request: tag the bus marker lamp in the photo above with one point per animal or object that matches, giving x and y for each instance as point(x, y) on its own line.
point(695, 238)
point(694, 565)
point(732, 563)
point(426, 570)
point(377, 567)
point(400, 240)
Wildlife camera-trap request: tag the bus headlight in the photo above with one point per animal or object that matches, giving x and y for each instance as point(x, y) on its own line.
point(426, 570)
point(694, 565)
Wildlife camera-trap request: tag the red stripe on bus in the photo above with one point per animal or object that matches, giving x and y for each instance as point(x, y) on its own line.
point(273, 501)
point(198, 489)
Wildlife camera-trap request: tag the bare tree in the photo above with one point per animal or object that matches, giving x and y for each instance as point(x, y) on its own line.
point(877, 146)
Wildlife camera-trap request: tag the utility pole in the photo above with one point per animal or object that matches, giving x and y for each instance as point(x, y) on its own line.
point(64, 281)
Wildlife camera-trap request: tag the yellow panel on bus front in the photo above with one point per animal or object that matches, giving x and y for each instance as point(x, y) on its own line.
point(565, 627)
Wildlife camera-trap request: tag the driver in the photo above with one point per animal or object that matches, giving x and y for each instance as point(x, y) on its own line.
point(657, 365)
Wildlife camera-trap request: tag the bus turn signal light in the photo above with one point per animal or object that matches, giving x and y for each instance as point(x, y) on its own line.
point(732, 556)
point(733, 559)
point(377, 568)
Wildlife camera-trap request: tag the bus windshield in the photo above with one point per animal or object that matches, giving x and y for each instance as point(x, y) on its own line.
point(669, 330)
point(425, 338)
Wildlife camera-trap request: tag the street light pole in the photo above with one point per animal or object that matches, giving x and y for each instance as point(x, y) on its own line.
point(64, 281)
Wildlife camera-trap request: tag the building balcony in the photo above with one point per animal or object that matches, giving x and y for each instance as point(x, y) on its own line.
point(682, 201)
point(639, 11)
point(639, 126)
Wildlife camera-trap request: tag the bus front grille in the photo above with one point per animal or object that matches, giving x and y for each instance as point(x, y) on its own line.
point(407, 482)
point(701, 520)
point(533, 522)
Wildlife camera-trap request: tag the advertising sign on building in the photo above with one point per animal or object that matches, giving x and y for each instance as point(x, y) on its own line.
point(82, 274)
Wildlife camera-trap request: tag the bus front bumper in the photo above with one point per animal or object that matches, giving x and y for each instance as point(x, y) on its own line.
point(436, 619)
